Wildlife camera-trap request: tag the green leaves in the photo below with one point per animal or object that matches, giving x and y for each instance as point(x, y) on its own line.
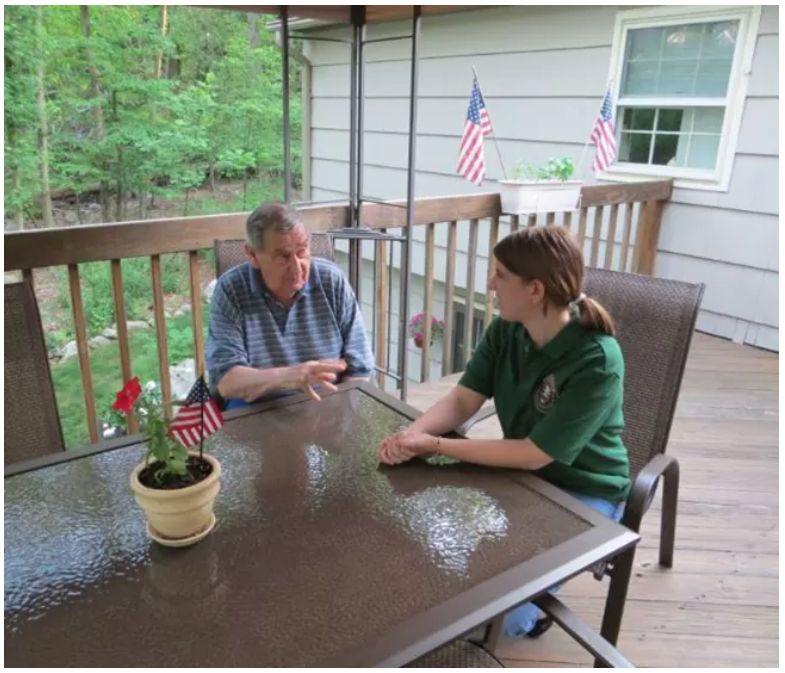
point(556, 169)
point(217, 106)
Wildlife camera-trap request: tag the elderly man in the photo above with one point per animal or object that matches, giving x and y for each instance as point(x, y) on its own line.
point(283, 321)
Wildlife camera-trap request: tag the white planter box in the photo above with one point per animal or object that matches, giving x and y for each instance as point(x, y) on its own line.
point(529, 196)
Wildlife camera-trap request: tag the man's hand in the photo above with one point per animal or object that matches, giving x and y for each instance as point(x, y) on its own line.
point(322, 373)
point(405, 445)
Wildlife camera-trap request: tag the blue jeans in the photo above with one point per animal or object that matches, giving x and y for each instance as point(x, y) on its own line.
point(521, 620)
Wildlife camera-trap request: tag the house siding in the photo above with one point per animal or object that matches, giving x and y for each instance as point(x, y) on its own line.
point(728, 240)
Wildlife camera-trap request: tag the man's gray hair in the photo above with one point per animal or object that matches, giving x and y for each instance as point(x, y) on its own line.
point(277, 217)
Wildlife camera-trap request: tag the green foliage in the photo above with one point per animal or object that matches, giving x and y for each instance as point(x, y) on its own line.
point(555, 169)
point(216, 109)
point(107, 375)
point(96, 284)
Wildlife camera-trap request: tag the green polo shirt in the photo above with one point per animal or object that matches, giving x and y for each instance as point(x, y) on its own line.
point(566, 397)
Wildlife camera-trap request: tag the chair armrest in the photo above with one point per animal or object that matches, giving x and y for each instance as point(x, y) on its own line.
point(481, 415)
point(644, 487)
point(581, 632)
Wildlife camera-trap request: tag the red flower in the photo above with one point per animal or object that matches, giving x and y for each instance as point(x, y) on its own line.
point(125, 399)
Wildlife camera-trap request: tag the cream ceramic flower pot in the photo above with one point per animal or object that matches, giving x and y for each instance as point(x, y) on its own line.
point(182, 512)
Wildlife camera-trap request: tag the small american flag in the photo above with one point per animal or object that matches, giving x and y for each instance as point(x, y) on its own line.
point(471, 159)
point(603, 136)
point(200, 417)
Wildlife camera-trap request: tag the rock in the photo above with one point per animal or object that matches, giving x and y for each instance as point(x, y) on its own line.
point(98, 342)
point(185, 308)
point(70, 350)
point(109, 333)
point(183, 377)
point(137, 325)
point(151, 322)
point(210, 290)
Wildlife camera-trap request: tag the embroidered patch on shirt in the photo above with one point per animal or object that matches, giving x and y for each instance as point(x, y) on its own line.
point(546, 394)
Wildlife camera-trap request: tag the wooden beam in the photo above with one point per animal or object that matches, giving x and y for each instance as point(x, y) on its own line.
point(610, 241)
point(647, 237)
point(425, 361)
point(493, 238)
point(196, 311)
point(596, 236)
point(121, 322)
point(160, 329)
point(625, 240)
point(103, 242)
point(84, 355)
point(449, 298)
point(471, 270)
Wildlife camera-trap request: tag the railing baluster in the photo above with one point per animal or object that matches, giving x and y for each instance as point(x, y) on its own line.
point(550, 218)
point(196, 310)
point(567, 222)
point(596, 235)
point(515, 222)
point(425, 362)
point(610, 241)
point(381, 309)
point(84, 354)
point(494, 237)
point(471, 271)
point(121, 321)
point(646, 237)
point(449, 297)
point(625, 241)
point(531, 221)
point(582, 227)
point(160, 329)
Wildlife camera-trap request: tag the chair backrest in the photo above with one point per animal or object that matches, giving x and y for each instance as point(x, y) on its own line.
point(655, 319)
point(229, 253)
point(32, 424)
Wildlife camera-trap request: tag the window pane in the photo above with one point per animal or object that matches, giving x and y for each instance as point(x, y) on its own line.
point(682, 41)
point(673, 120)
point(640, 79)
point(713, 77)
point(719, 39)
point(681, 60)
point(703, 151)
point(708, 119)
point(638, 119)
point(677, 78)
point(665, 147)
point(645, 43)
point(635, 148)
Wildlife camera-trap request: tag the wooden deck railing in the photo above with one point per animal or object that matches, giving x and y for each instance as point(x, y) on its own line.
point(637, 208)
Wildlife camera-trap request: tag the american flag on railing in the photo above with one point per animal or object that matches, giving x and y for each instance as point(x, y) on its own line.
point(200, 417)
point(471, 159)
point(603, 136)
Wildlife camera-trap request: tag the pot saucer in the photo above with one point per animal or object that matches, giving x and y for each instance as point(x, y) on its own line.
point(182, 541)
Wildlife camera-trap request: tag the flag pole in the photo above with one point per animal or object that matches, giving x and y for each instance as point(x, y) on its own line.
point(201, 424)
point(493, 133)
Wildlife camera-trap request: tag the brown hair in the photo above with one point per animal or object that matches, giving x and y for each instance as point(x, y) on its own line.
point(552, 256)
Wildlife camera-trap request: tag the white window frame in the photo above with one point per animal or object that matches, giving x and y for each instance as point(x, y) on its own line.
point(687, 178)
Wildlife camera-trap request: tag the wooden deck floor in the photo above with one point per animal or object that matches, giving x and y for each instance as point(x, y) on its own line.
point(719, 605)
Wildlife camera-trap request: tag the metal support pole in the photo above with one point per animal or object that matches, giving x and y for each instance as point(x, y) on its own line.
point(406, 258)
point(355, 143)
point(287, 150)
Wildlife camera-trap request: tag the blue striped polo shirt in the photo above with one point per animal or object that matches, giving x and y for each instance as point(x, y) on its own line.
point(250, 327)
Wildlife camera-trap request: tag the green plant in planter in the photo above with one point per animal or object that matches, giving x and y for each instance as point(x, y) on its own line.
point(167, 455)
point(559, 170)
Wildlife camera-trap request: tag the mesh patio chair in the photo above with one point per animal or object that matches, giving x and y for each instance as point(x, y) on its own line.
point(655, 320)
point(32, 424)
point(230, 253)
point(458, 654)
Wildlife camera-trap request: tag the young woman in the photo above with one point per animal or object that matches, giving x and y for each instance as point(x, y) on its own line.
point(555, 372)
